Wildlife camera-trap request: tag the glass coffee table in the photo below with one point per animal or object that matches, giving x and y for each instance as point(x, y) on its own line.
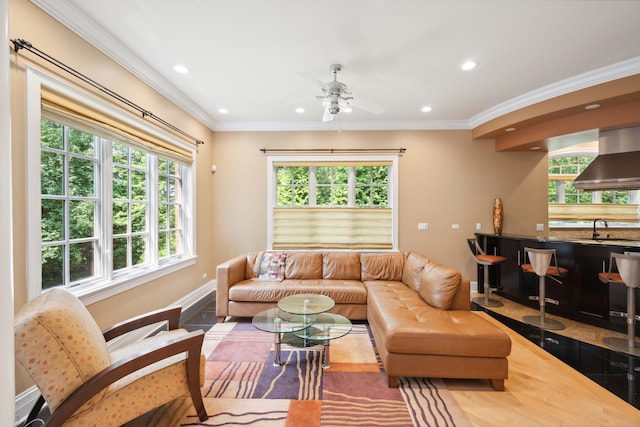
point(303, 320)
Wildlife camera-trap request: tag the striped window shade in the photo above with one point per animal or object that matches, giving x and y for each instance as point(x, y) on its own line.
point(332, 228)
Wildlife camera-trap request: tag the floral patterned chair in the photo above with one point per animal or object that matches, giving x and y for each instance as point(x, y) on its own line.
point(84, 382)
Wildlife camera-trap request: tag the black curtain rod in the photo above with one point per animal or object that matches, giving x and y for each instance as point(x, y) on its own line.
point(333, 150)
point(23, 44)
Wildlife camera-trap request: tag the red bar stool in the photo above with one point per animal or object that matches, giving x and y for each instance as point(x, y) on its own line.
point(484, 261)
point(629, 275)
point(544, 263)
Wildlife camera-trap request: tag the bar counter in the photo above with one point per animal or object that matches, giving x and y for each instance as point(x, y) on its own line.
point(581, 296)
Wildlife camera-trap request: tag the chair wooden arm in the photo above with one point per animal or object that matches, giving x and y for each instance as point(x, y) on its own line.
point(170, 315)
point(190, 343)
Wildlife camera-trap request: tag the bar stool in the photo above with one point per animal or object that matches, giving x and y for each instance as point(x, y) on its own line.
point(484, 261)
point(541, 264)
point(628, 275)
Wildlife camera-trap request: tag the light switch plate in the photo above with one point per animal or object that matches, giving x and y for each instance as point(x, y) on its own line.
point(539, 227)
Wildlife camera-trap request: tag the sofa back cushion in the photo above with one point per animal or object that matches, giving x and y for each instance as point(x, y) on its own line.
point(303, 265)
point(439, 285)
point(412, 272)
point(250, 268)
point(382, 265)
point(341, 265)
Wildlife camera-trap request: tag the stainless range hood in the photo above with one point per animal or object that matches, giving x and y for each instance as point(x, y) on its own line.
point(617, 166)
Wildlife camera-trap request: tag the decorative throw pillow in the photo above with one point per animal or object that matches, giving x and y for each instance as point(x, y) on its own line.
point(439, 285)
point(270, 266)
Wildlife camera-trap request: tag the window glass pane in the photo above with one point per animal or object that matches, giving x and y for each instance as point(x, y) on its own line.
point(52, 266)
point(301, 175)
point(138, 159)
point(285, 196)
point(172, 216)
point(174, 242)
point(81, 260)
point(51, 173)
point(301, 196)
point(284, 175)
point(341, 195)
point(162, 189)
point(323, 196)
point(172, 190)
point(138, 217)
point(81, 142)
point(340, 175)
point(120, 217)
point(363, 196)
point(323, 175)
point(119, 253)
point(81, 177)
point(120, 154)
point(120, 183)
point(137, 250)
point(380, 196)
point(138, 185)
point(83, 215)
point(52, 220)
point(163, 211)
point(162, 245)
point(51, 134)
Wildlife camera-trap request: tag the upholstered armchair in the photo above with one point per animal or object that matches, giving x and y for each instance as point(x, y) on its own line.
point(84, 382)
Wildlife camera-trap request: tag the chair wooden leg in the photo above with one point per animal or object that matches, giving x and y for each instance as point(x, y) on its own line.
point(193, 381)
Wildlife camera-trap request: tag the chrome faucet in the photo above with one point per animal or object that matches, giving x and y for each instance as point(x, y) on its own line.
point(596, 234)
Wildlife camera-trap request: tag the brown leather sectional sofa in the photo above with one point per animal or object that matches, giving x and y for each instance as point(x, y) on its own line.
point(418, 310)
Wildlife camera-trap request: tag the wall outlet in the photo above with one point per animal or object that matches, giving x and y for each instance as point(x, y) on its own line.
point(423, 226)
point(478, 226)
point(455, 226)
point(204, 276)
point(539, 227)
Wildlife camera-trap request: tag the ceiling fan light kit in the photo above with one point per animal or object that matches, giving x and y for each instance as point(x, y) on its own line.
point(337, 98)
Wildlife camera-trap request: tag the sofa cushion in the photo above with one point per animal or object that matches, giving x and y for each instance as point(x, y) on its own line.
point(412, 272)
point(382, 266)
point(410, 326)
point(270, 266)
point(438, 285)
point(252, 259)
point(341, 265)
point(341, 291)
point(303, 265)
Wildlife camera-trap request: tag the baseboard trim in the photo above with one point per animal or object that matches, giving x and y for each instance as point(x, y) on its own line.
point(25, 400)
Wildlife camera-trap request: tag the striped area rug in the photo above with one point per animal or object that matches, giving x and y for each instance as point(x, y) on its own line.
point(244, 388)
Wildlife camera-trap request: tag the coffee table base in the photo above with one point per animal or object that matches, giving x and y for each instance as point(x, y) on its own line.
point(294, 341)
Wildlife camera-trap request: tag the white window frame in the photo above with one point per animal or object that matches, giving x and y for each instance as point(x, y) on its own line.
point(93, 291)
point(272, 181)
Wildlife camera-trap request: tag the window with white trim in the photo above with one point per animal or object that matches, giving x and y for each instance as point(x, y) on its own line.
point(332, 203)
point(571, 206)
point(112, 210)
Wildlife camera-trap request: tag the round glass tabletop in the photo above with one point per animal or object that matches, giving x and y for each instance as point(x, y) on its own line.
point(327, 326)
point(306, 304)
point(277, 321)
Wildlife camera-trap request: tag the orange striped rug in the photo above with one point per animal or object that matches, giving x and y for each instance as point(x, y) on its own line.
point(244, 388)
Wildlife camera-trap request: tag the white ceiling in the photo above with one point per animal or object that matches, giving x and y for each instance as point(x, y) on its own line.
point(262, 59)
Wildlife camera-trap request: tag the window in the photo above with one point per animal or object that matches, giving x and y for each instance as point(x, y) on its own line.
point(338, 203)
point(569, 205)
point(112, 210)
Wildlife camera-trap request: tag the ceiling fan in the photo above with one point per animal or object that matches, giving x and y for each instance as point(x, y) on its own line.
point(336, 97)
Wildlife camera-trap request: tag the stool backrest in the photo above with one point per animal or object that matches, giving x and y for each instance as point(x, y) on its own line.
point(628, 267)
point(542, 259)
point(474, 247)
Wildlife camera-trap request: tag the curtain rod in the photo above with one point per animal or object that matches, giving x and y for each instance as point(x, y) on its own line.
point(333, 150)
point(23, 44)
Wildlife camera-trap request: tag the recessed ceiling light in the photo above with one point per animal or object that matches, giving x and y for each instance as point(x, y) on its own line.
point(347, 109)
point(469, 65)
point(592, 106)
point(535, 147)
point(299, 110)
point(223, 111)
point(181, 69)
point(426, 109)
point(509, 129)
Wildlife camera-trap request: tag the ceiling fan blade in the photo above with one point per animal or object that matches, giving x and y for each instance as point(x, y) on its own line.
point(327, 116)
point(369, 106)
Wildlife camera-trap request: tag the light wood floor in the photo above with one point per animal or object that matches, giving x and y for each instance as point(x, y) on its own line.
point(540, 391)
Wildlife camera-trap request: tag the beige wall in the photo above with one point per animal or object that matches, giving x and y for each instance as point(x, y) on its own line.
point(445, 178)
point(27, 22)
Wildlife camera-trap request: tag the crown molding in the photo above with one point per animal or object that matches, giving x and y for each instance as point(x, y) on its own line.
point(92, 32)
point(338, 125)
point(609, 73)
